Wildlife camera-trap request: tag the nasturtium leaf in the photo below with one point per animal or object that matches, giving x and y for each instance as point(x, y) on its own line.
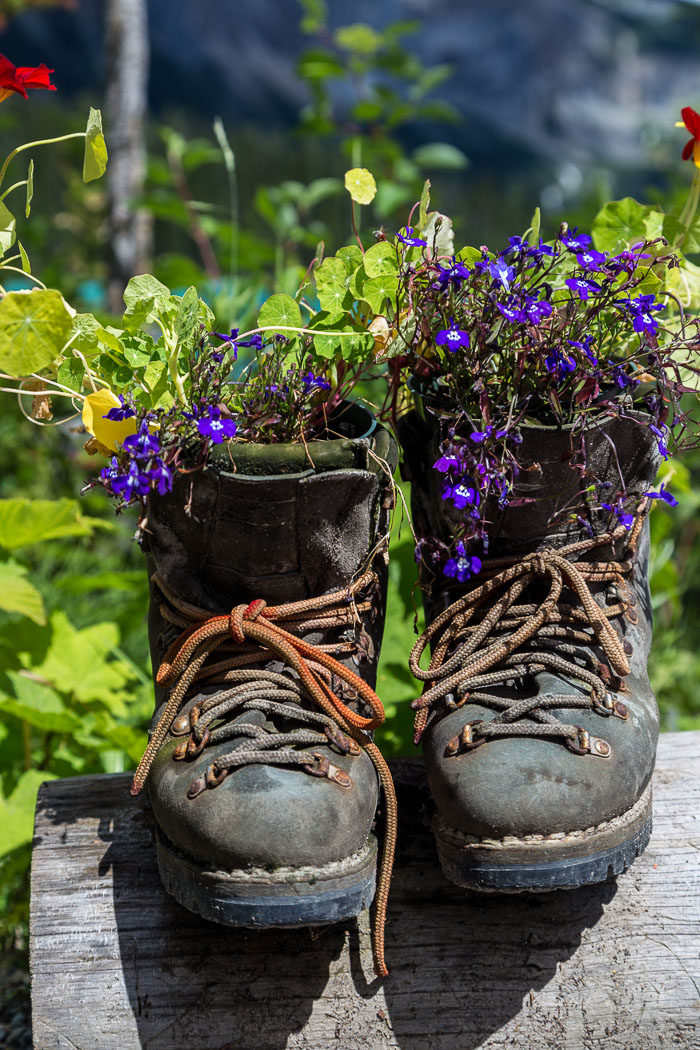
point(109, 432)
point(331, 271)
point(27, 521)
point(71, 373)
point(684, 281)
point(360, 184)
point(18, 595)
point(30, 189)
point(335, 298)
point(380, 259)
point(34, 328)
point(469, 255)
point(187, 315)
point(440, 156)
point(357, 281)
point(280, 310)
point(83, 335)
point(623, 223)
point(145, 297)
point(377, 290)
point(155, 377)
point(137, 348)
point(95, 159)
point(7, 229)
point(690, 234)
point(26, 265)
point(111, 338)
point(351, 256)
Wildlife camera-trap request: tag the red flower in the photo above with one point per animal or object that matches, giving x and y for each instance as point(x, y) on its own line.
point(691, 119)
point(19, 78)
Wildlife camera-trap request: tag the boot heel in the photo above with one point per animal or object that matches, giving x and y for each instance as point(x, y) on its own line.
point(281, 897)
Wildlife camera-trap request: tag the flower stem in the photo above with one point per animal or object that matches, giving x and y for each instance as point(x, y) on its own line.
point(39, 142)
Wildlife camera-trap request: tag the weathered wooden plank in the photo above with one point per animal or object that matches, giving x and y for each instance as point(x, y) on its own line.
point(117, 964)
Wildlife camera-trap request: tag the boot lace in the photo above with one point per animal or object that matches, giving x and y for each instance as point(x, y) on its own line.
point(487, 638)
point(255, 634)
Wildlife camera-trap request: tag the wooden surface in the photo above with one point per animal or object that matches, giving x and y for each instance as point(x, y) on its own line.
point(117, 964)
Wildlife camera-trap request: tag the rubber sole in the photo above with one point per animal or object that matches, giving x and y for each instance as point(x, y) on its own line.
point(259, 899)
point(537, 864)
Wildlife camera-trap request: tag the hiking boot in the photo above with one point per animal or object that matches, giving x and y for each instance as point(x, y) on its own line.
point(268, 588)
point(538, 722)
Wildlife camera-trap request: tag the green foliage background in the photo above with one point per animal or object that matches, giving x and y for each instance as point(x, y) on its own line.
point(75, 687)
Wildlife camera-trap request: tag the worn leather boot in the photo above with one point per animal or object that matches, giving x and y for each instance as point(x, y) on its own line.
point(538, 723)
point(268, 586)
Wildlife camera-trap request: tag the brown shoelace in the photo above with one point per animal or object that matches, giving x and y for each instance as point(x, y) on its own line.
point(486, 638)
point(257, 636)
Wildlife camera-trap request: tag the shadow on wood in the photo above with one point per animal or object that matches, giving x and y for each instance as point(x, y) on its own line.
point(116, 963)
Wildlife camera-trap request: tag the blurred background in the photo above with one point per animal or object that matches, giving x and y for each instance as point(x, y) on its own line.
point(229, 128)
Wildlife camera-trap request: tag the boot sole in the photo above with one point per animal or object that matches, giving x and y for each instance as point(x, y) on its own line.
point(280, 897)
point(539, 863)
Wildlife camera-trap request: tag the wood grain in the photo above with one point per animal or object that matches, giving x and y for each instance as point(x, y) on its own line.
point(118, 965)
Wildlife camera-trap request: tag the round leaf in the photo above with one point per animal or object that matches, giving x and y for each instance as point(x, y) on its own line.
point(34, 328)
point(280, 310)
point(377, 290)
point(360, 185)
point(379, 259)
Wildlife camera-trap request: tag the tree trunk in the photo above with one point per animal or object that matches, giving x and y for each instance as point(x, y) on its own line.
point(127, 48)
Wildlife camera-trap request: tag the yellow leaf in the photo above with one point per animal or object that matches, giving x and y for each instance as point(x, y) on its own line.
point(360, 185)
point(110, 433)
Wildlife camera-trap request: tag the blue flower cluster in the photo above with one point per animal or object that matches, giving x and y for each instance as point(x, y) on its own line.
point(145, 469)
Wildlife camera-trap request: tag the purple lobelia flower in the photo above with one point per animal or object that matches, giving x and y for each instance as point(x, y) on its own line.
point(622, 516)
point(111, 471)
point(144, 444)
point(447, 463)
point(502, 272)
point(161, 477)
point(516, 245)
point(313, 382)
point(133, 483)
point(559, 364)
point(660, 433)
point(537, 309)
point(583, 288)
point(623, 379)
point(585, 345)
point(409, 238)
point(591, 260)
point(453, 274)
point(642, 309)
point(461, 495)
point(663, 495)
point(231, 340)
point(513, 311)
point(452, 337)
point(212, 426)
point(479, 436)
point(464, 566)
point(627, 261)
point(575, 241)
point(255, 341)
point(118, 413)
point(538, 252)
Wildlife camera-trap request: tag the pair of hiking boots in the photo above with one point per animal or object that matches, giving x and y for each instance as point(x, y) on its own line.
point(537, 720)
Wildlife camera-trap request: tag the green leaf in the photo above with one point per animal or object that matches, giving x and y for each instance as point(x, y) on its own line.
point(26, 265)
point(35, 702)
point(34, 328)
point(331, 287)
point(377, 290)
point(440, 156)
point(280, 310)
point(360, 38)
point(620, 224)
point(360, 185)
point(535, 226)
point(84, 332)
point(357, 282)
point(76, 663)
point(424, 204)
point(30, 189)
point(18, 595)
point(351, 256)
point(145, 299)
point(685, 282)
point(137, 348)
point(7, 229)
point(156, 379)
point(95, 160)
point(27, 521)
point(72, 373)
point(17, 811)
point(187, 315)
point(380, 259)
